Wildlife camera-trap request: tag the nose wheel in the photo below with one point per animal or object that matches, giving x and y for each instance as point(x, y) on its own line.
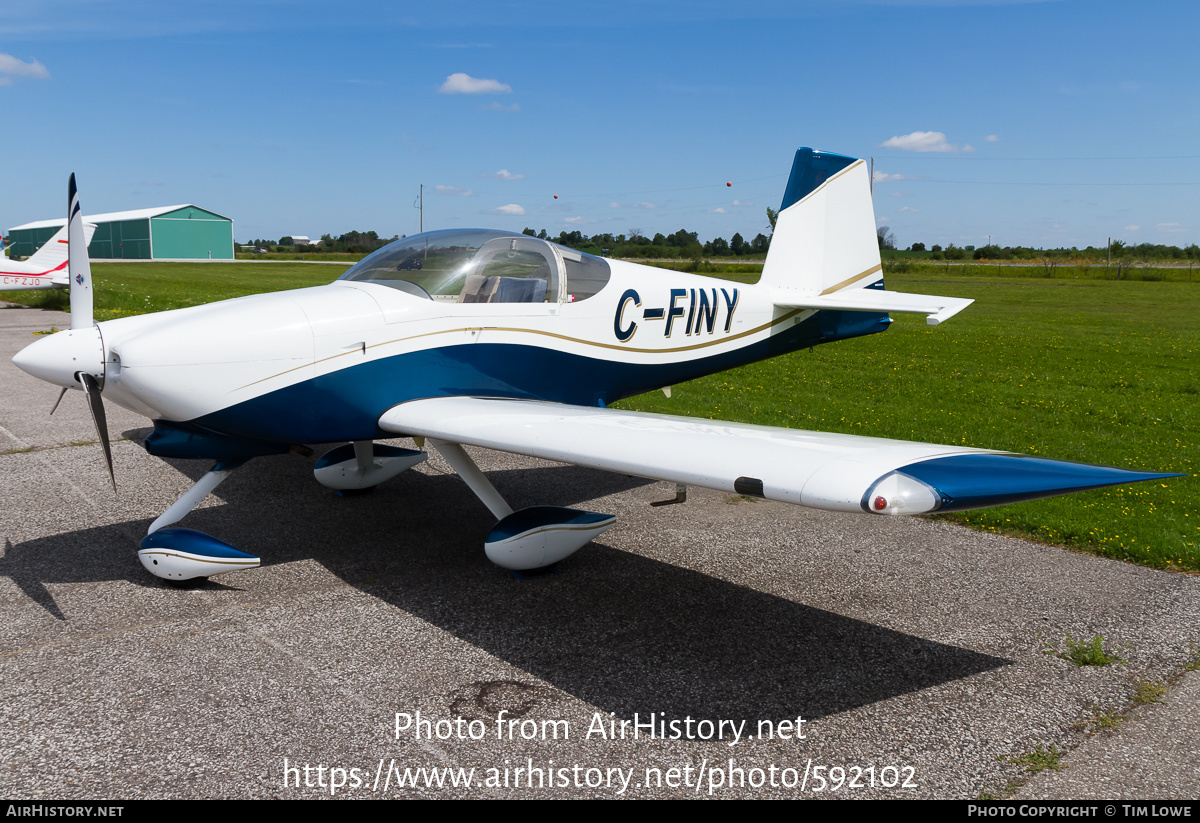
point(177, 554)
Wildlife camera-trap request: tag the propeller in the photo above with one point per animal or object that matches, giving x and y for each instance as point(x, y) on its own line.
point(79, 268)
point(59, 400)
point(91, 387)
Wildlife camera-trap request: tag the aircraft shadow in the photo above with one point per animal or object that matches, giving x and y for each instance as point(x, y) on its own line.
point(620, 631)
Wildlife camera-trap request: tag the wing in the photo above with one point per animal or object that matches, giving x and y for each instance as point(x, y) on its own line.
point(836, 472)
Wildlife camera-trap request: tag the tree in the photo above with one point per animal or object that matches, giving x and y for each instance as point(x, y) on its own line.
point(529, 232)
point(917, 247)
point(737, 244)
point(683, 238)
point(887, 240)
point(285, 241)
point(717, 247)
point(772, 216)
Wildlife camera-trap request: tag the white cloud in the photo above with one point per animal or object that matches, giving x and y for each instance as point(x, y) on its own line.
point(908, 210)
point(11, 67)
point(921, 141)
point(741, 203)
point(1169, 227)
point(504, 174)
point(716, 211)
point(884, 177)
point(1132, 228)
point(499, 107)
point(511, 208)
point(991, 138)
point(455, 190)
point(463, 83)
point(614, 205)
point(645, 206)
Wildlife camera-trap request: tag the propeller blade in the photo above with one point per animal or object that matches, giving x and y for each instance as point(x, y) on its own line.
point(92, 389)
point(59, 400)
point(79, 267)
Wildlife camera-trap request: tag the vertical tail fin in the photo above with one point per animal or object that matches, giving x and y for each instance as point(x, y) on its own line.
point(824, 237)
point(825, 252)
point(51, 258)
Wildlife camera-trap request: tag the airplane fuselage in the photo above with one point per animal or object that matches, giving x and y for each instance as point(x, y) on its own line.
point(323, 364)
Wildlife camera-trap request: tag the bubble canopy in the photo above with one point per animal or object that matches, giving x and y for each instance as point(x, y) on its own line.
point(483, 266)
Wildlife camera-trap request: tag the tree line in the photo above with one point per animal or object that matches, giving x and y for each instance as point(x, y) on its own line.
point(686, 244)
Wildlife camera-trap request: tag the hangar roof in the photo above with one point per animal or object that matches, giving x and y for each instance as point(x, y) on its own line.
point(115, 216)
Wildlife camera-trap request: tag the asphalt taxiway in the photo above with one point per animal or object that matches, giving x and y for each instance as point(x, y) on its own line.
point(918, 654)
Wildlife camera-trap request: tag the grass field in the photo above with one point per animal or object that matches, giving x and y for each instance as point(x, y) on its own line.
point(125, 289)
point(1096, 371)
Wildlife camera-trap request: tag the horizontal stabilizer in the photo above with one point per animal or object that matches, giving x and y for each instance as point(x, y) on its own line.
point(935, 308)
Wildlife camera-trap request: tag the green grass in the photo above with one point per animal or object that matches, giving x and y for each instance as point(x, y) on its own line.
point(1107, 721)
point(1146, 692)
point(1089, 652)
point(1096, 371)
point(1005, 270)
point(125, 289)
point(1040, 759)
point(341, 257)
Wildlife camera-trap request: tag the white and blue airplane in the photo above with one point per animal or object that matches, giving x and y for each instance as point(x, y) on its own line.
point(509, 342)
point(46, 268)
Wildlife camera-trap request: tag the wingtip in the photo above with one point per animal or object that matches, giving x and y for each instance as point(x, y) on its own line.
point(974, 481)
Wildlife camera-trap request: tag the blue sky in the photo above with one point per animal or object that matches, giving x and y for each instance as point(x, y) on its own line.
point(1035, 123)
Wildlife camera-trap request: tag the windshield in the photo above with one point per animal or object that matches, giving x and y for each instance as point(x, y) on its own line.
point(482, 266)
point(437, 263)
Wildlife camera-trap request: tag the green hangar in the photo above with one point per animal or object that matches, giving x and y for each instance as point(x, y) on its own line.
point(184, 232)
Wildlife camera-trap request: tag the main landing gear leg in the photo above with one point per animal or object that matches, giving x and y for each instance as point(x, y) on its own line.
point(183, 554)
point(530, 538)
point(358, 467)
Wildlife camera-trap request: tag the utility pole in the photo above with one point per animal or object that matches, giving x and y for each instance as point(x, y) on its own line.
point(419, 203)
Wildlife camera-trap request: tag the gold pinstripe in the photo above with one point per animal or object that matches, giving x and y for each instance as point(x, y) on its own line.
point(770, 324)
